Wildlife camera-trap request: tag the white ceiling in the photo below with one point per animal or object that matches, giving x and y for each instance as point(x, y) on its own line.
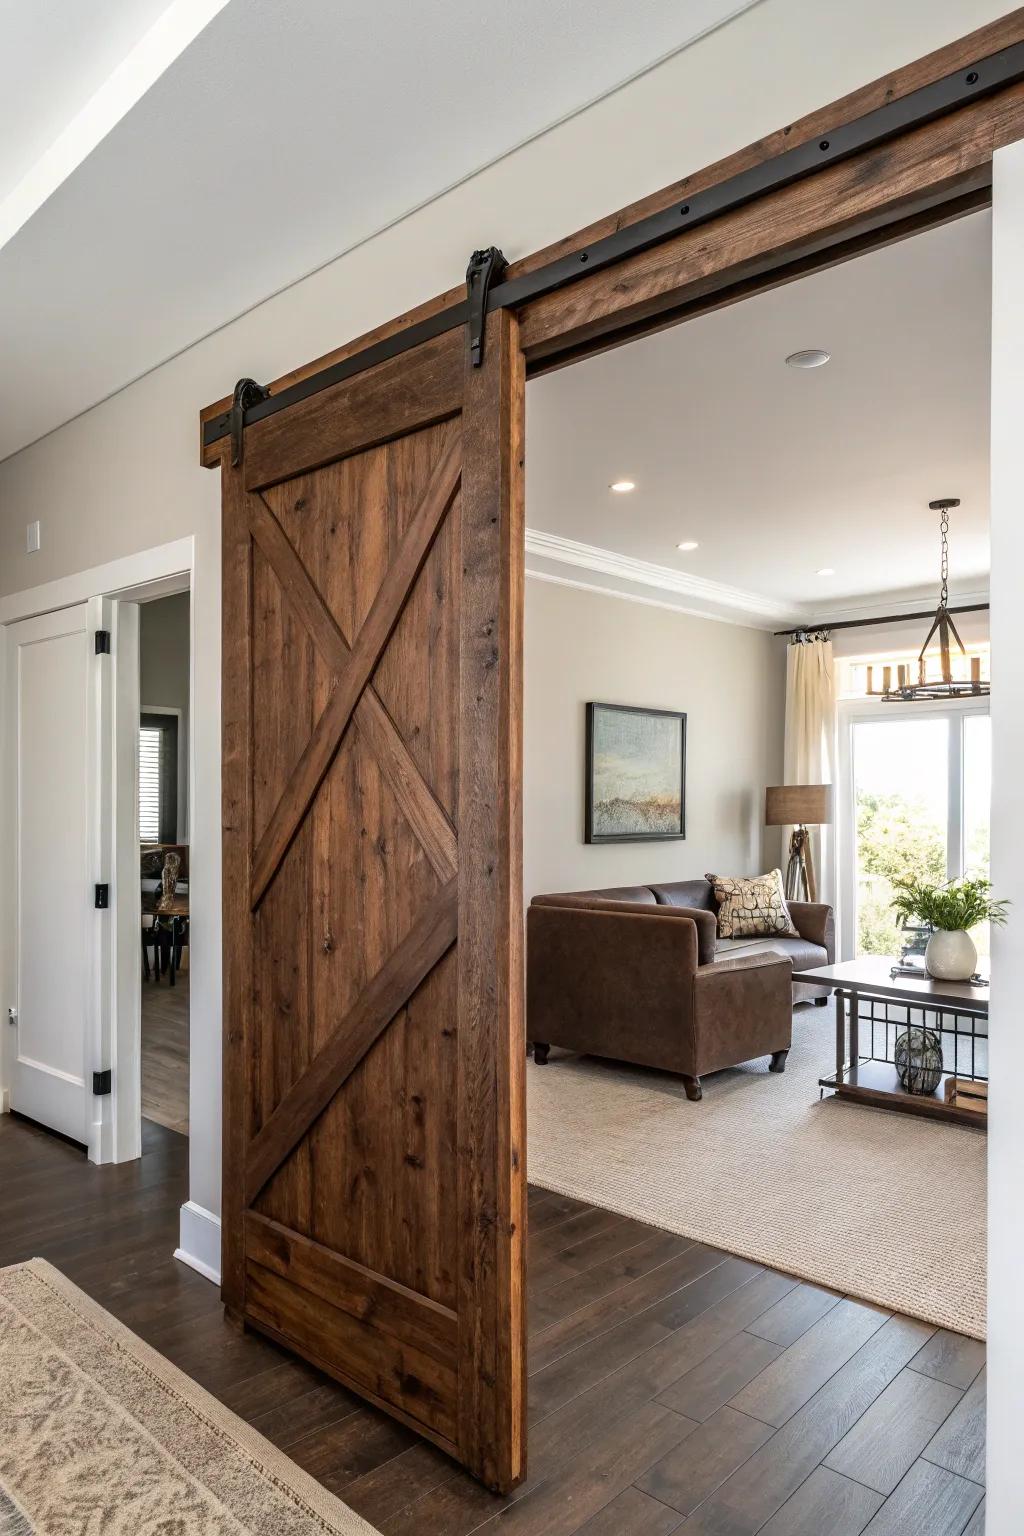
point(777, 472)
point(235, 154)
point(56, 55)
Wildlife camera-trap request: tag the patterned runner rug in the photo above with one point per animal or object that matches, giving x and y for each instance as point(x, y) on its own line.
point(99, 1433)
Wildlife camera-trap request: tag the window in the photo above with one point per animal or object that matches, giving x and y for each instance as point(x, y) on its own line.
point(158, 778)
point(915, 786)
point(861, 677)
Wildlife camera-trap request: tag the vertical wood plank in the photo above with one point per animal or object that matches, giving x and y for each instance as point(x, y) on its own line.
point(491, 1041)
point(236, 803)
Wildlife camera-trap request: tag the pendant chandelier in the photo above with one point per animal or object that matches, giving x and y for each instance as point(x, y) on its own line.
point(945, 686)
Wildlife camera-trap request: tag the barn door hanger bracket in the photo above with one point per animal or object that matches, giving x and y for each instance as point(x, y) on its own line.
point(485, 267)
point(247, 393)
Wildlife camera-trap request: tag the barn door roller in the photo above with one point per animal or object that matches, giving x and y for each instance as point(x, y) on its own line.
point(247, 394)
point(484, 268)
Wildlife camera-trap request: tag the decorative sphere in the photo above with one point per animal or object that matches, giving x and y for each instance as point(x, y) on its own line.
point(918, 1059)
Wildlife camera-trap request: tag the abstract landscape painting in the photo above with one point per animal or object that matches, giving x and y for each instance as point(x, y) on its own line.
point(636, 773)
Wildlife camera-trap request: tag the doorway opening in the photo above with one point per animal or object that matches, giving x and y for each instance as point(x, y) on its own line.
point(720, 542)
point(164, 866)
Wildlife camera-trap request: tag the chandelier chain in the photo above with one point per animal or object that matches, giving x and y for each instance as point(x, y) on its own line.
point(944, 530)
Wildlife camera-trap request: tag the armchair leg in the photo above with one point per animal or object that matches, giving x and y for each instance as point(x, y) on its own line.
point(778, 1061)
point(540, 1053)
point(693, 1089)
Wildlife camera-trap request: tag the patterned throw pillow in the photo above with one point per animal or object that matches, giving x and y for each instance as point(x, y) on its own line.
point(752, 908)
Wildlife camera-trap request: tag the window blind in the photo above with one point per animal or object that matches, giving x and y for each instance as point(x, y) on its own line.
point(149, 784)
point(158, 778)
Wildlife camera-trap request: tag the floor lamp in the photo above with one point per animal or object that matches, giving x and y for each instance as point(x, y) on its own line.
point(800, 806)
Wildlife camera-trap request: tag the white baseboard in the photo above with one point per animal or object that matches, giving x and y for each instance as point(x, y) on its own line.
point(199, 1239)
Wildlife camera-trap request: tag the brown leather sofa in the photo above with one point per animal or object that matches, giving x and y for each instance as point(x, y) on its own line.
point(638, 973)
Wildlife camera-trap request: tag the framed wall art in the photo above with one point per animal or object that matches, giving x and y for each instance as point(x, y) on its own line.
point(636, 774)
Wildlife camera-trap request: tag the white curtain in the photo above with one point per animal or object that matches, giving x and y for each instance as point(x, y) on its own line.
point(810, 744)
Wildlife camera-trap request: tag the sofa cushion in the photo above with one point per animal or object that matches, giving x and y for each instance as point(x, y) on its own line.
point(752, 906)
point(638, 893)
point(802, 952)
point(625, 893)
point(685, 893)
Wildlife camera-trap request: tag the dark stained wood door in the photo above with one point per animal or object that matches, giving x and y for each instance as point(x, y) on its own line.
point(374, 1180)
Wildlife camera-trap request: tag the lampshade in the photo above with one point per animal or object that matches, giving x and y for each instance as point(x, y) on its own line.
point(808, 805)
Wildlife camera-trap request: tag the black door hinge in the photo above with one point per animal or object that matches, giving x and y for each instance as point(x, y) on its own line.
point(247, 393)
point(102, 896)
point(101, 1082)
point(485, 267)
point(103, 642)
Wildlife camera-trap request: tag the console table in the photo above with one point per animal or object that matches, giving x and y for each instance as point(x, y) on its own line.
point(865, 996)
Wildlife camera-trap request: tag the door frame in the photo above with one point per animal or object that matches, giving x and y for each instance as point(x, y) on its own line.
point(113, 592)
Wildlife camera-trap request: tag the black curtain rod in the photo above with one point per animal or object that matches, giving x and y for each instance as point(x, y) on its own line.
point(889, 618)
point(993, 73)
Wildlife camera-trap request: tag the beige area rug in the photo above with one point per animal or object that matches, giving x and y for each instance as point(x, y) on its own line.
point(100, 1434)
point(884, 1206)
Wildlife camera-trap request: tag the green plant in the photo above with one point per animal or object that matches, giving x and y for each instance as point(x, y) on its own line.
point(956, 904)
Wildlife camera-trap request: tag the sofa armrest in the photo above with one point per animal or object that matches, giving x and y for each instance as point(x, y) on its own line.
point(742, 1008)
point(611, 978)
point(707, 930)
point(705, 922)
point(816, 922)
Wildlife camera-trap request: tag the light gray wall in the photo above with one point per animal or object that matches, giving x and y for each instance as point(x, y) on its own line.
point(730, 681)
point(163, 652)
point(164, 670)
point(125, 476)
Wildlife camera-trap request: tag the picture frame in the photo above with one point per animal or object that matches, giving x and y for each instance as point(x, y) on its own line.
point(635, 787)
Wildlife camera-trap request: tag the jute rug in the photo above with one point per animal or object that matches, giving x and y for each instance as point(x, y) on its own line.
point(888, 1207)
point(99, 1433)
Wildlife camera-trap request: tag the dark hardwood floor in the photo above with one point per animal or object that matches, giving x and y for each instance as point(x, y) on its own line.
point(672, 1387)
point(165, 1051)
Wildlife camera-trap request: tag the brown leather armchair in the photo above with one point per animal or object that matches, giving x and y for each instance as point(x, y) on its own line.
point(626, 975)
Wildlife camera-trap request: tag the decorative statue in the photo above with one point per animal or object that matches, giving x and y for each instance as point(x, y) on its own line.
point(168, 881)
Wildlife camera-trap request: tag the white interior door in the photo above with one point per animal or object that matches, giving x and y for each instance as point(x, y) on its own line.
point(51, 928)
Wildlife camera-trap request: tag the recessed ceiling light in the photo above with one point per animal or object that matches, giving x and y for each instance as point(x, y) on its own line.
point(687, 544)
point(810, 357)
point(622, 486)
point(827, 570)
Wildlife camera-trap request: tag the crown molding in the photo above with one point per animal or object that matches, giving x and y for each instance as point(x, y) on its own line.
point(669, 604)
point(686, 593)
point(886, 607)
point(694, 594)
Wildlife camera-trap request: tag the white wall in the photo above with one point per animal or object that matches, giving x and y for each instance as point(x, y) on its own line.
point(583, 646)
point(125, 476)
point(1005, 1506)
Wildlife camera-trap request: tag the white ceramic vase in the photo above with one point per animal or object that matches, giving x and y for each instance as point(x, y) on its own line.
point(951, 956)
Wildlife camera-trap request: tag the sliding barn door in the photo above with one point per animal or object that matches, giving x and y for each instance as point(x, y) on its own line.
point(374, 1187)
